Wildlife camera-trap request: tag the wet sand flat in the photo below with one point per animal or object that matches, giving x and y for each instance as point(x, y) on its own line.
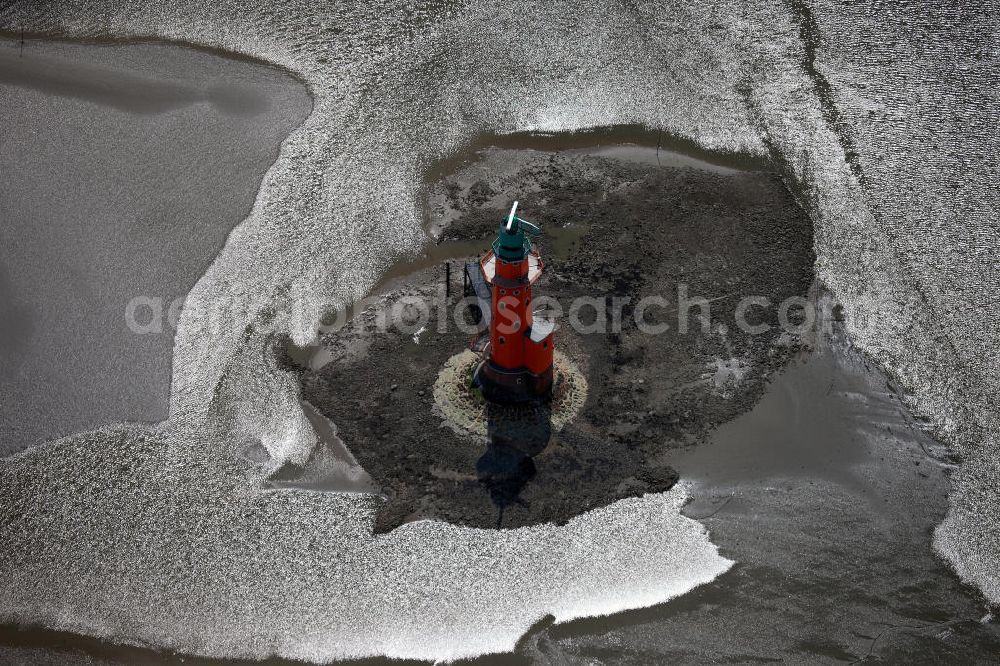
point(124, 169)
point(883, 119)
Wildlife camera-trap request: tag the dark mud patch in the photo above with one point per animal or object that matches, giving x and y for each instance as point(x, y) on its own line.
point(615, 233)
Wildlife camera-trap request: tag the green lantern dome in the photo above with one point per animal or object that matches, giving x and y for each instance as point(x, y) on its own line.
point(513, 241)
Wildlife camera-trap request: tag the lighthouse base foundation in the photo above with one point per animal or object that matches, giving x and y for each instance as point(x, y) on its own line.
point(513, 387)
point(464, 409)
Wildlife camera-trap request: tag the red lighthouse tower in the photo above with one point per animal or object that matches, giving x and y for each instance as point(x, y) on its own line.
point(517, 357)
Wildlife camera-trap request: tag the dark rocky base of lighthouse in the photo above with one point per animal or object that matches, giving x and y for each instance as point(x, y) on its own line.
point(611, 229)
point(518, 388)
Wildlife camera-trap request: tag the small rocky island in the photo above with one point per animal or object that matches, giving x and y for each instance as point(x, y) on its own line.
point(612, 230)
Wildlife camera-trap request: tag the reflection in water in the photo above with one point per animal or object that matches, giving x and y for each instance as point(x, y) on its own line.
point(515, 435)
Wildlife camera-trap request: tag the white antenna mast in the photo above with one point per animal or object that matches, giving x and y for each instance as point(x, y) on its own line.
point(510, 218)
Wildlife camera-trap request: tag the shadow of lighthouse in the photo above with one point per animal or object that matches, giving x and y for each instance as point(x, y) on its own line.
point(515, 435)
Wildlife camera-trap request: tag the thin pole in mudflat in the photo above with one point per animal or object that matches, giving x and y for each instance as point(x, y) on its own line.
point(21, 53)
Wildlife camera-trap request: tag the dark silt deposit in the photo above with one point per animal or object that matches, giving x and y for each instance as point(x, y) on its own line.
point(615, 232)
